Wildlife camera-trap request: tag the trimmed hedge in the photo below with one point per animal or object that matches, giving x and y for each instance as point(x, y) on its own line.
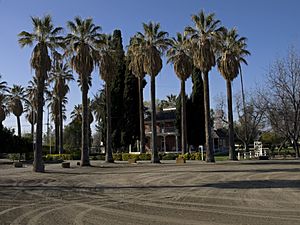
point(117, 156)
point(54, 157)
point(145, 156)
point(191, 156)
point(169, 156)
point(162, 156)
point(123, 156)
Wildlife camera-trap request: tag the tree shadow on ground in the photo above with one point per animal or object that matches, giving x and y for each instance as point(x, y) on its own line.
point(244, 184)
point(105, 172)
point(270, 162)
point(255, 184)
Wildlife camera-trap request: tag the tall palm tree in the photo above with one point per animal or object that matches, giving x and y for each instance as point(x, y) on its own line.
point(76, 114)
point(108, 68)
point(135, 55)
point(30, 105)
point(203, 44)
point(153, 43)
point(81, 47)
point(3, 108)
point(232, 52)
point(98, 104)
point(31, 117)
point(46, 37)
point(3, 85)
point(60, 76)
point(183, 67)
point(16, 95)
point(31, 94)
point(54, 109)
point(171, 100)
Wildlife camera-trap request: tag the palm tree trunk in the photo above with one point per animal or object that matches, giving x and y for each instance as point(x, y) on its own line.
point(61, 150)
point(141, 112)
point(183, 119)
point(232, 155)
point(244, 108)
point(208, 139)
point(19, 126)
point(56, 127)
point(154, 157)
point(85, 161)
point(108, 155)
point(296, 147)
point(19, 132)
point(32, 133)
point(38, 165)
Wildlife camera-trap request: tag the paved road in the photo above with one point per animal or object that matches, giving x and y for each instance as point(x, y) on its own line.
point(247, 192)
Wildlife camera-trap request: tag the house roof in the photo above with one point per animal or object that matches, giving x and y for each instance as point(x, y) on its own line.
point(163, 116)
point(220, 133)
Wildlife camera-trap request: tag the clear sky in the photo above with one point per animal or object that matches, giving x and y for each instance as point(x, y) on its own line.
point(271, 26)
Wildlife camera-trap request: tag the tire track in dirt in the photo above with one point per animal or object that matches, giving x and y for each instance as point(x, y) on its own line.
point(227, 193)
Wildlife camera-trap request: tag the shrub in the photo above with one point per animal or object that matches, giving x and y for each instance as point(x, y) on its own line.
point(55, 157)
point(180, 156)
point(13, 156)
point(187, 156)
point(170, 156)
point(117, 156)
point(160, 155)
point(29, 156)
point(195, 156)
point(76, 154)
point(48, 157)
point(221, 154)
point(94, 157)
point(126, 156)
point(145, 156)
point(134, 156)
point(101, 157)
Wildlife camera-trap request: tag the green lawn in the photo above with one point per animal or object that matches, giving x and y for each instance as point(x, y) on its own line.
point(221, 158)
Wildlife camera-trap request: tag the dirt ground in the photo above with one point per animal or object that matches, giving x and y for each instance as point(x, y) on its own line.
point(246, 192)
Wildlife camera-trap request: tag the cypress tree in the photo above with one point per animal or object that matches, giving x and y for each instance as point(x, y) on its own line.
point(117, 106)
point(130, 132)
point(195, 110)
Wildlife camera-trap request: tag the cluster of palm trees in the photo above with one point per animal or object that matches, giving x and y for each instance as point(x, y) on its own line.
point(85, 48)
point(11, 99)
point(200, 46)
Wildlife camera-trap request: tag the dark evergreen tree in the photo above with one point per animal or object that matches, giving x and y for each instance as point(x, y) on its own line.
point(124, 102)
point(195, 109)
point(11, 143)
point(117, 106)
point(72, 135)
point(130, 132)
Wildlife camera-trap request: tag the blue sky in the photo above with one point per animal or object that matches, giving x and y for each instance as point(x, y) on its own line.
point(270, 26)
